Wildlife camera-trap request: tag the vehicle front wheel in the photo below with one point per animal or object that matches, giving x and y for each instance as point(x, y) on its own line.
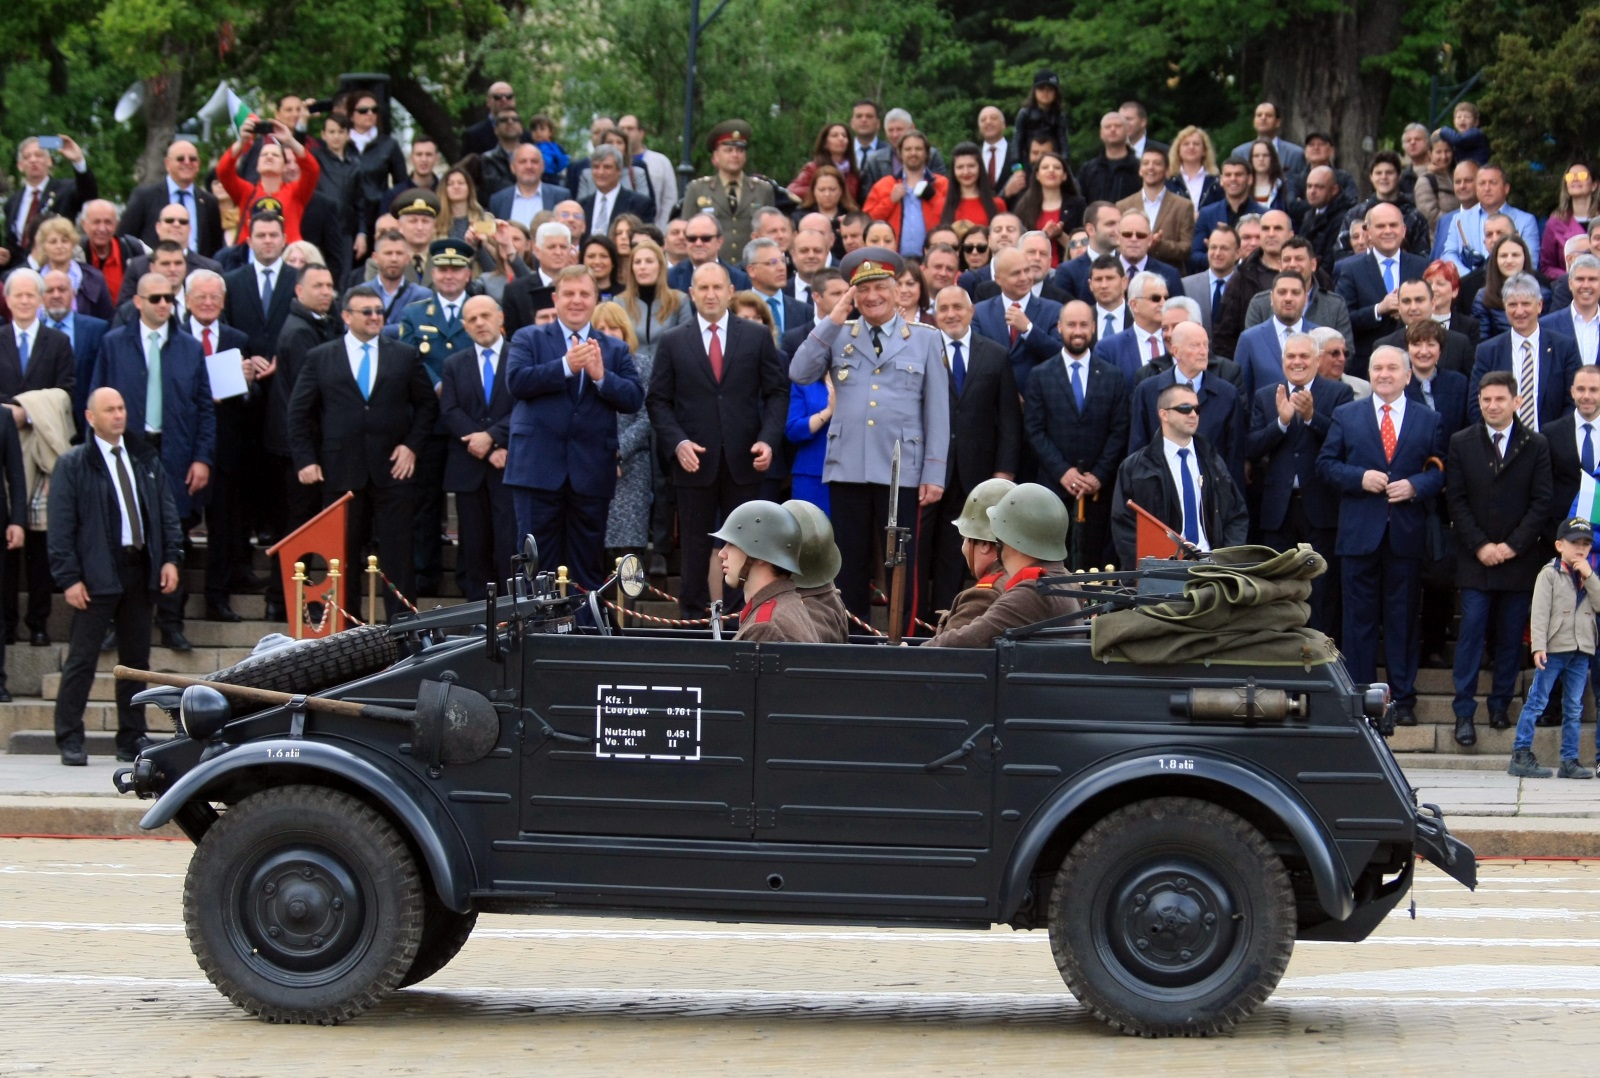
point(444, 933)
point(1172, 917)
point(303, 904)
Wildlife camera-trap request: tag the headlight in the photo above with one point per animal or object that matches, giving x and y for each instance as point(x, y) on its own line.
point(203, 711)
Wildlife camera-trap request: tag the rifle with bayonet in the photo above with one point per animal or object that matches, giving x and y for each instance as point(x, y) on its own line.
point(895, 540)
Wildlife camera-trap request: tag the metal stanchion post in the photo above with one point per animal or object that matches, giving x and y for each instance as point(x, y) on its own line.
point(338, 599)
point(299, 599)
point(372, 589)
point(561, 580)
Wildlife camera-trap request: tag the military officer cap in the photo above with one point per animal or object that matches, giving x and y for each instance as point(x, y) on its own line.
point(267, 204)
point(450, 253)
point(871, 264)
point(819, 554)
point(763, 530)
point(1031, 520)
point(973, 523)
point(417, 200)
point(728, 130)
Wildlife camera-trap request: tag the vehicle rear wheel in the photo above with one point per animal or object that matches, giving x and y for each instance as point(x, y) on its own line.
point(309, 666)
point(444, 933)
point(303, 904)
point(1172, 917)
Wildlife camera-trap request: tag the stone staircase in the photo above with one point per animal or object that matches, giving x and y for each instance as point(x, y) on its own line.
point(1432, 743)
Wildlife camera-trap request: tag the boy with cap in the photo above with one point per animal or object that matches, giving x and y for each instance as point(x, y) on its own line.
point(1566, 598)
point(761, 554)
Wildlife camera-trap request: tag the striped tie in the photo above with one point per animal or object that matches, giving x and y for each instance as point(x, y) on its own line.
point(1527, 410)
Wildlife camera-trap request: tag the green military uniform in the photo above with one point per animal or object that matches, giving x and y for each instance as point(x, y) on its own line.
point(418, 202)
point(735, 211)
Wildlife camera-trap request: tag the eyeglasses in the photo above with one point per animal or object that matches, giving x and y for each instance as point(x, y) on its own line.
point(1156, 299)
point(173, 221)
point(512, 96)
point(365, 312)
point(165, 297)
point(1183, 409)
point(191, 158)
point(1134, 235)
point(509, 120)
point(701, 239)
point(364, 109)
point(1078, 244)
point(974, 248)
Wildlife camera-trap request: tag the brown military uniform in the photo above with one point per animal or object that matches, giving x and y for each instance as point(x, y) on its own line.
point(776, 613)
point(827, 613)
point(1020, 604)
point(973, 603)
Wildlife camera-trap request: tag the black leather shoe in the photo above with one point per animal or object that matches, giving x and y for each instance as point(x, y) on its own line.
point(1404, 716)
point(276, 612)
point(1466, 733)
point(74, 758)
point(39, 638)
point(127, 756)
point(110, 642)
point(1499, 720)
point(174, 639)
point(5, 696)
point(221, 613)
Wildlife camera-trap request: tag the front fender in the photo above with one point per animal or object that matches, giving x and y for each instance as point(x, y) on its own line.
point(408, 800)
point(1335, 892)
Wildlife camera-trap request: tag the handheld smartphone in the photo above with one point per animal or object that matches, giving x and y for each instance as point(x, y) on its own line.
point(483, 228)
point(50, 142)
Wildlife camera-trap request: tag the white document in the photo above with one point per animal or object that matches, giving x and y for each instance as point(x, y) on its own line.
point(226, 370)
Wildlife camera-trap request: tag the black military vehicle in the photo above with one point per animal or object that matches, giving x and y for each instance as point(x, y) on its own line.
point(1175, 828)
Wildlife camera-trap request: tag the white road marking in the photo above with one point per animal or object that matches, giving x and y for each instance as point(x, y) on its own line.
point(1470, 978)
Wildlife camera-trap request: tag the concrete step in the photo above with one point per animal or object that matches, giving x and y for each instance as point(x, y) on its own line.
point(36, 714)
point(1442, 682)
point(43, 742)
point(1439, 740)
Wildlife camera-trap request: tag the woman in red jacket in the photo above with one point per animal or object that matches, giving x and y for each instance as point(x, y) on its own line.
point(270, 164)
point(919, 188)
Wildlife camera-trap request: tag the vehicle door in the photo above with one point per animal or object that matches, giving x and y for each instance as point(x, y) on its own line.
point(630, 735)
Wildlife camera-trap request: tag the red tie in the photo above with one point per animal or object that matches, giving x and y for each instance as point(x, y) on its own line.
point(205, 340)
point(716, 355)
point(35, 204)
point(994, 171)
point(1155, 353)
point(1014, 307)
point(1386, 432)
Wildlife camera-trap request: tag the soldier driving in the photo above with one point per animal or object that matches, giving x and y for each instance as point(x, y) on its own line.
point(1030, 525)
point(982, 553)
point(731, 194)
point(819, 564)
point(890, 386)
point(761, 553)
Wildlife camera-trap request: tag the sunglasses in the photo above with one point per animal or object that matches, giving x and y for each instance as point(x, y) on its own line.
point(1575, 174)
point(701, 239)
point(974, 248)
point(503, 97)
point(191, 158)
point(173, 221)
point(165, 297)
point(1134, 235)
point(365, 312)
point(1077, 244)
point(1183, 409)
point(1156, 299)
point(365, 109)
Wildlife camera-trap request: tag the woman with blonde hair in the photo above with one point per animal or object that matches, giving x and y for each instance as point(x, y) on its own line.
point(646, 298)
point(628, 525)
point(303, 253)
point(55, 247)
point(1192, 167)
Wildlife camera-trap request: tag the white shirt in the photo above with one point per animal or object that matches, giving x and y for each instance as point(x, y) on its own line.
point(32, 330)
point(605, 202)
point(1082, 363)
point(1144, 341)
point(116, 485)
point(1117, 313)
point(359, 140)
point(583, 333)
point(1176, 466)
point(1578, 423)
point(196, 328)
point(1588, 334)
point(1505, 438)
point(999, 148)
point(276, 269)
point(352, 351)
point(1397, 414)
point(802, 291)
point(705, 332)
point(1516, 368)
point(1151, 209)
point(1196, 185)
point(190, 204)
point(525, 207)
point(965, 341)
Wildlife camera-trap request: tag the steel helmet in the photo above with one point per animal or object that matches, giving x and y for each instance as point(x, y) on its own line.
point(1031, 520)
point(764, 530)
point(819, 556)
point(973, 523)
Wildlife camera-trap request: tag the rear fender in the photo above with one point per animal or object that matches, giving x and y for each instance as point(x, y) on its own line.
point(406, 799)
point(1335, 892)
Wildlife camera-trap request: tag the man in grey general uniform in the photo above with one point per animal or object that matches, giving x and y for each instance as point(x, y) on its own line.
point(890, 385)
point(730, 193)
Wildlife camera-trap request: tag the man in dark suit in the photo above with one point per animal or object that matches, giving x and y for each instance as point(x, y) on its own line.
point(1543, 363)
point(525, 198)
point(362, 406)
point(84, 331)
point(1223, 417)
point(172, 224)
point(526, 296)
point(480, 137)
point(38, 196)
point(174, 414)
point(1574, 446)
point(475, 404)
point(1369, 282)
point(1206, 287)
point(1288, 424)
point(1075, 415)
point(1259, 351)
point(1234, 177)
point(260, 292)
point(1017, 320)
point(1142, 342)
point(178, 188)
point(764, 261)
point(1381, 455)
point(985, 437)
point(1579, 317)
point(704, 236)
point(1100, 221)
point(1037, 248)
point(718, 398)
point(569, 382)
point(1498, 483)
point(610, 198)
point(1135, 236)
point(1180, 479)
point(1416, 305)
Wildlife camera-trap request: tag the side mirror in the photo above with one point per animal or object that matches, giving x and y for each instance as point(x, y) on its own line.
point(630, 575)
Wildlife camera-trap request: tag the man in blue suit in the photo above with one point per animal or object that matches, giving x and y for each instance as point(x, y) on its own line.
point(1027, 326)
point(83, 330)
point(1222, 416)
point(704, 236)
point(1580, 318)
point(529, 195)
point(569, 382)
point(1234, 204)
point(475, 405)
point(1259, 352)
point(1289, 422)
point(173, 413)
point(1369, 283)
point(1100, 220)
point(1544, 363)
point(1141, 343)
point(1383, 456)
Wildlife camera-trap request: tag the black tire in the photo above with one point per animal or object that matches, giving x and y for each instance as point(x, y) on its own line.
point(444, 933)
point(302, 904)
point(309, 666)
point(1172, 917)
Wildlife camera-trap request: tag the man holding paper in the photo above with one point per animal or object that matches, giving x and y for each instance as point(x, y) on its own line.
point(233, 376)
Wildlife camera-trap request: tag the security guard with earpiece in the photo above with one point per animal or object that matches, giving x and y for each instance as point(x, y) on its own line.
point(761, 554)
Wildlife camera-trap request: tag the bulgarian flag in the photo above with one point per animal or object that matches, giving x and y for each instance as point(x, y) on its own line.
point(1587, 503)
point(238, 111)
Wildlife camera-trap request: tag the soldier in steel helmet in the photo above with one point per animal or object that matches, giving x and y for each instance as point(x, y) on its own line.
point(981, 550)
point(1030, 525)
point(819, 564)
point(761, 554)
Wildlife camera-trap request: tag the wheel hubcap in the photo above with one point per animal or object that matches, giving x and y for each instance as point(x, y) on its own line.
point(301, 909)
point(1171, 924)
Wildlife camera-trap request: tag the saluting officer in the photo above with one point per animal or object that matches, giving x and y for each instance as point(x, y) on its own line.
point(761, 554)
point(731, 194)
point(434, 327)
point(981, 551)
point(819, 564)
point(890, 385)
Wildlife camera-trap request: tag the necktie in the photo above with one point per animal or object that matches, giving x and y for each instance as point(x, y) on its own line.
point(1191, 504)
point(135, 525)
point(22, 351)
point(416, 264)
point(1015, 307)
point(714, 352)
point(450, 312)
point(1216, 296)
point(205, 340)
point(152, 382)
point(877, 341)
point(733, 198)
point(994, 169)
point(1496, 438)
point(364, 372)
point(35, 204)
point(488, 374)
point(1155, 349)
point(1110, 329)
point(181, 198)
point(1586, 457)
point(1527, 411)
point(1387, 433)
point(1388, 275)
point(266, 291)
point(776, 303)
point(958, 367)
point(601, 216)
point(575, 385)
point(1076, 367)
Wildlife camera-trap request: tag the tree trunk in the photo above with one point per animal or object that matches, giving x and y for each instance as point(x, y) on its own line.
point(161, 98)
point(1315, 75)
point(433, 117)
